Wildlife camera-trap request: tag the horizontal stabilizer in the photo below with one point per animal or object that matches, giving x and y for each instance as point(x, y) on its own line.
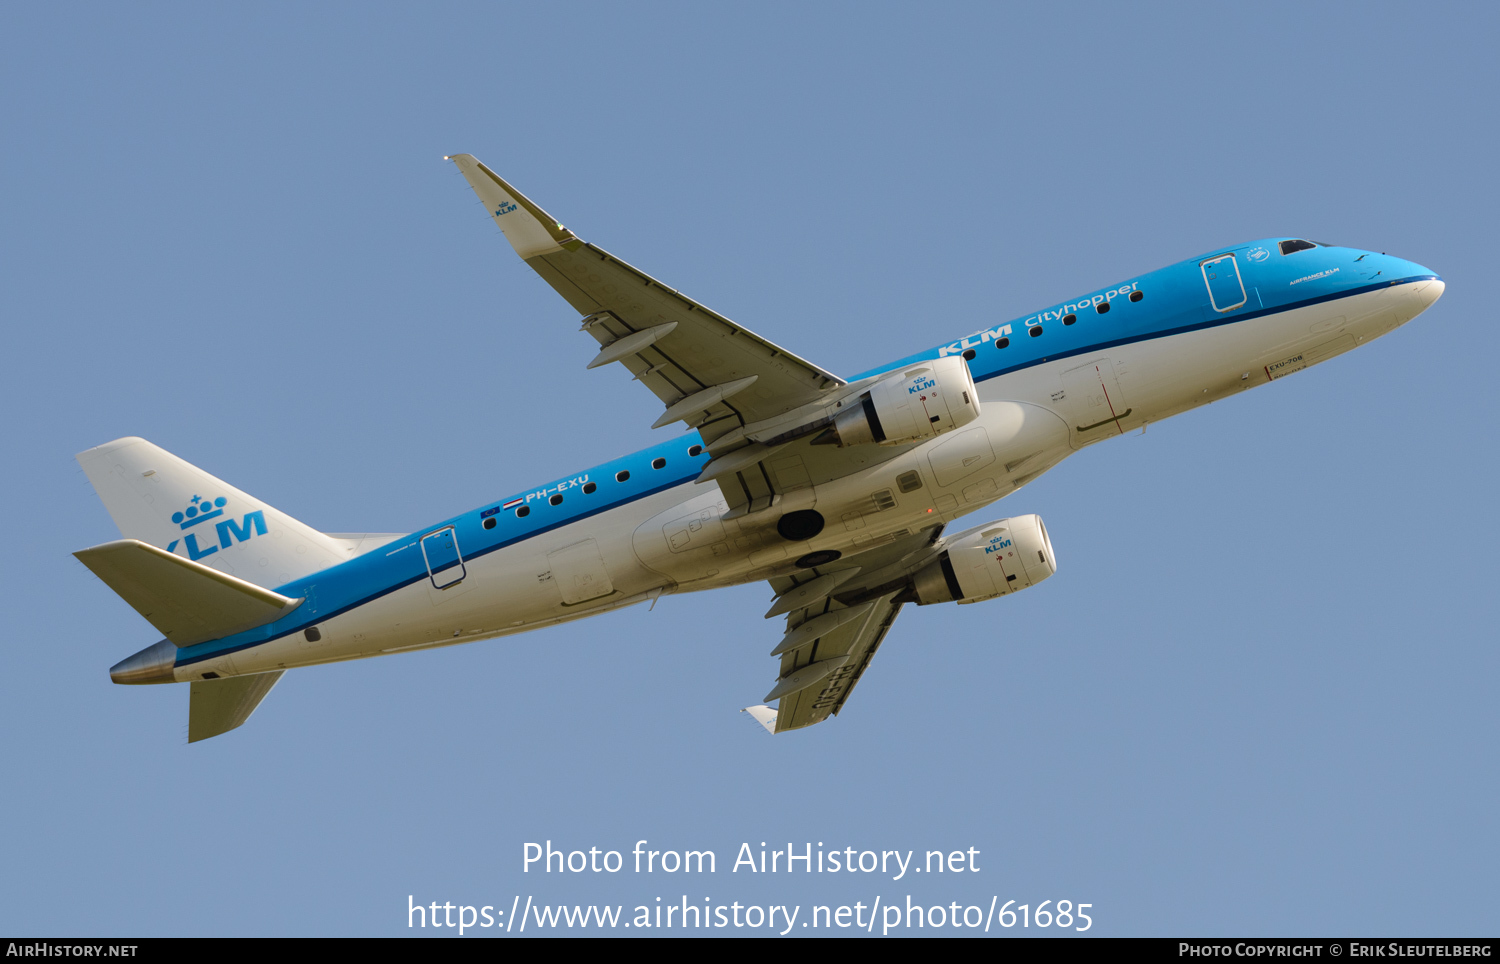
point(219, 705)
point(186, 601)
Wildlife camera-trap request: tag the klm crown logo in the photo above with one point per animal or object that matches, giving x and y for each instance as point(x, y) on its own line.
point(200, 510)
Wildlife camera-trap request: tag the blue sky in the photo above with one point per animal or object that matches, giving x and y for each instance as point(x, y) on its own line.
point(1256, 699)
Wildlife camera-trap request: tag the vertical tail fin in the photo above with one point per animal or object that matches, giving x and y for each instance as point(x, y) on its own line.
point(156, 497)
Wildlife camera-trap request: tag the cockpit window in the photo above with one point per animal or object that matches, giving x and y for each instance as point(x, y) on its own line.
point(1287, 247)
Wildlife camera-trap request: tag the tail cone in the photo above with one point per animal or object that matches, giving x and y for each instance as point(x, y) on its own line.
point(151, 665)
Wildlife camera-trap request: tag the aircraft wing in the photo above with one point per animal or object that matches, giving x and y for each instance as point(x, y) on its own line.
point(836, 618)
point(707, 370)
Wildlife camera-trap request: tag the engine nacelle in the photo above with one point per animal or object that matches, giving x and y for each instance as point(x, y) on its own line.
point(993, 560)
point(911, 405)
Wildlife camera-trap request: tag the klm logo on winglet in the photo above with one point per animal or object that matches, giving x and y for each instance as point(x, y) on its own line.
point(505, 208)
point(229, 531)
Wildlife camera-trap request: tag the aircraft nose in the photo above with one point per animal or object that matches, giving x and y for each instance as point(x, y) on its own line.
point(1419, 283)
point(1430, 292)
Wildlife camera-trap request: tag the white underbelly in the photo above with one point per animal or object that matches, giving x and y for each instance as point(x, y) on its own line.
point(1106, 393)
point(679, 540)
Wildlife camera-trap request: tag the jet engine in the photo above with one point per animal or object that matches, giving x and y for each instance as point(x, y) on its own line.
point(993, 560)
point(910, 405)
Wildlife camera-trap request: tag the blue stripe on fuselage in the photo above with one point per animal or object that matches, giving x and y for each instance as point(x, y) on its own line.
point(399, 563)
point(1175, 301)
point(1226, 319)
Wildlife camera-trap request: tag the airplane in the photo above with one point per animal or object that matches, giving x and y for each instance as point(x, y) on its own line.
point(839, 492)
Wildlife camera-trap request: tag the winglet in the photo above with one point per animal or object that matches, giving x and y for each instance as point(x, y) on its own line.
point(529, 229)
point(763, 715)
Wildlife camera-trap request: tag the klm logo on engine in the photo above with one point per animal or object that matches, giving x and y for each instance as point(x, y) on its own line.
point(997, 545)
point(921, 386)
point(225, 533)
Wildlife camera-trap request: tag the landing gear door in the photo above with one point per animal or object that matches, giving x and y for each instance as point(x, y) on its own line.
point(579, 573)
point(445, 565)
point(1092, 403)
point(1226, 291)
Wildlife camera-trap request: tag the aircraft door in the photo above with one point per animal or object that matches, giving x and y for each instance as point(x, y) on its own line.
point(1226, 291)
point(445, 565)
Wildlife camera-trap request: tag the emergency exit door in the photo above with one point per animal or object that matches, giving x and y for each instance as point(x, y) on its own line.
point(445, 566)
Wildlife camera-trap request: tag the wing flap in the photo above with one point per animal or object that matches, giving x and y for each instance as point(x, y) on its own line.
point(219, 705)
point(186, 601)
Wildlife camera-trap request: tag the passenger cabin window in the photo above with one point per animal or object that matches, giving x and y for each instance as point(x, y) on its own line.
point(1287, 247)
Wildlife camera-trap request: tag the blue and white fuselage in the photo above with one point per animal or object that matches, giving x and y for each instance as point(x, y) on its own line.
point(1049, 383)
point(1171, 351)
